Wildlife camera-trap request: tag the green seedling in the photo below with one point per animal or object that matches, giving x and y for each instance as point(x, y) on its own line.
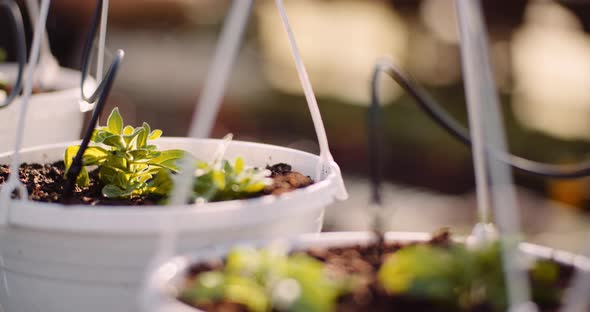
point(225, 180)
point(128, 163)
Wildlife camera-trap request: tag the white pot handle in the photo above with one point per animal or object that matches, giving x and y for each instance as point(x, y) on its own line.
point(13, 182)
point(327, 161)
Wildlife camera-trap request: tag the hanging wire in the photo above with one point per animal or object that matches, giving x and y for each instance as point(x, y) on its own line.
point(86, 52)
point(455, 129)
point(375, 139)
point(19, 37)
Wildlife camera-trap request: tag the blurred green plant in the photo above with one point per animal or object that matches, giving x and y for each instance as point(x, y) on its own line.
point(461, 277)
point(268, 279)
point(223, 180)
point(127, 164)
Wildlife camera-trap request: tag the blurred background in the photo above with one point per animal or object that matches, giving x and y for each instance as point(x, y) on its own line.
point(541, 56)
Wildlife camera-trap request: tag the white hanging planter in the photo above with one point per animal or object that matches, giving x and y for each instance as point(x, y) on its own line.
point(60, 258)
point(54, 116)
point(169, 278)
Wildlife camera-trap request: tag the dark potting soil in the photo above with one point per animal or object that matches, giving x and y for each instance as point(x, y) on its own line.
point(45, 184)
point(365, 261)
point(285, 180)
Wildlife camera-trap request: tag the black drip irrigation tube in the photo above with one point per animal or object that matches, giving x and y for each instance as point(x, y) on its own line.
point(16, 20)
point(454, 128)
point(86, 53)
point(100, 96)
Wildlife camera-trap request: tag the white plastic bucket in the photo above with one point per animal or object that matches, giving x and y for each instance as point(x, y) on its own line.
point(81, 258)
point(168, 279)
point(52, 117)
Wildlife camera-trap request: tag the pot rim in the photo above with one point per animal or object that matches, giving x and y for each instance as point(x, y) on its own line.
point(163, 284)
point(130, 219)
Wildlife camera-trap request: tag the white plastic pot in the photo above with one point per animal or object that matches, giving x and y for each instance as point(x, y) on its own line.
point(167, 280)
point(93, 258)
point(52, 117)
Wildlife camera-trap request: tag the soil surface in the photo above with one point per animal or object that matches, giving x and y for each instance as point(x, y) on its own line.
point(366, 261)
point(285, 180)
point(45, 184)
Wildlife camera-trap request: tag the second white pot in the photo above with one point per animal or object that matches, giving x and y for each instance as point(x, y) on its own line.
point(167, 281)
point(54, 116)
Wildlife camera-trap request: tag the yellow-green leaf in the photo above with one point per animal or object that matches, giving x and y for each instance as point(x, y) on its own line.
point(254, 187)
point(93, 155)
point(115, 141)
point(115, 122)
point(219, 179)
point(83, 179)
point(112, 191)
point(156, 134)
point(239, 165)
point(168, 155)
point(127, 130)
point(69, 155)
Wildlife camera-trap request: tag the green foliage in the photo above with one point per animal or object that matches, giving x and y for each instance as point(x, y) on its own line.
point(460, 277)
point(128, 164)
point(223, 180)
point(2, 55)
point(422, 271)
point(213, 286)
point(265, 280)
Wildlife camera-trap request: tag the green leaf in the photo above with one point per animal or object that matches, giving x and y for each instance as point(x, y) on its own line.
point(127, 130)
point(129, 136)
point(83, 180)
point(147, 127)
point(142, 154)
point(254, 187)
point(161, 184)
point(421, 271)
point(112, 191)
point(112, 175)
point(115, 122)
point(99, 135)
point(168, 155)
point(219, 179)
point(170, 164)
point(133, 139)
point(229, 170)
point(248, 293)
point(142, 138)
point(94, 155)
point(209, 286)
point(115, 141)
point(69, 155)
point(156, 134)
point(239, 165)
